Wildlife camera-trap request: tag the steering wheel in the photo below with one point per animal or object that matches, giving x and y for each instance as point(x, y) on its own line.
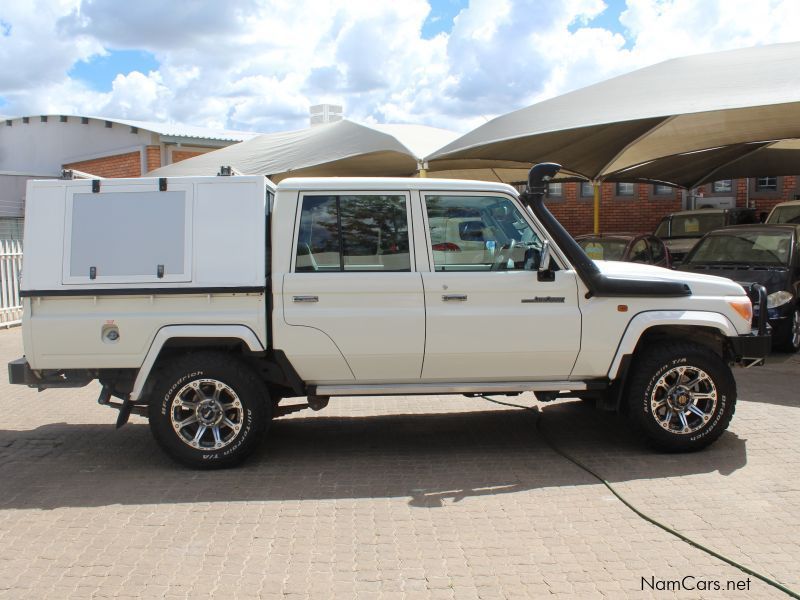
point(503, 255)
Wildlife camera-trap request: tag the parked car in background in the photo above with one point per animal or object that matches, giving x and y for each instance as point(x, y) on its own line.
point(764, 254)
point(628, 247)
point(680, 231)
point(785, 212)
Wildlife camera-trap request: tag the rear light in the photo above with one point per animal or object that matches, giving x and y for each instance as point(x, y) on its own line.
point(446, 247)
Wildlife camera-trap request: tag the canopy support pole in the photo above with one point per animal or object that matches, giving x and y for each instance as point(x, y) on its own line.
point(596, 185)
point(422, 169)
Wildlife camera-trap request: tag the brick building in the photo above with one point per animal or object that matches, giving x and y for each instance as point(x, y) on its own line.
point(638, 207)
point(41, 146)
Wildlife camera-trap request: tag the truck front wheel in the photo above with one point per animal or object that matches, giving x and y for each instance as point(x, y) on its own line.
point(208, 410)
point(681, 396)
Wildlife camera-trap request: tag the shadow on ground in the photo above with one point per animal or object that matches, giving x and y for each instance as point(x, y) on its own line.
point(428, 458)
point(774, 383)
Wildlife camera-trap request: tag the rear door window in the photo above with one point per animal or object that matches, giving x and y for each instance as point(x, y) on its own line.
point(657, 250)
point(353, 233)
point(639, 252)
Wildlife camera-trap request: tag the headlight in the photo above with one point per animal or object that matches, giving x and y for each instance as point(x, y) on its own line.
point(777, 299)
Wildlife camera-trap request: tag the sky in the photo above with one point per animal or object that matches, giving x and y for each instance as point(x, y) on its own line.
point(257, 65)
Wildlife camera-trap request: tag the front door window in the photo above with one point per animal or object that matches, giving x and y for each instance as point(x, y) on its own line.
point(480, 233)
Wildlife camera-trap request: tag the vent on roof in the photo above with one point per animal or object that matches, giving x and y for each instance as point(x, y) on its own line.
point(325, 113)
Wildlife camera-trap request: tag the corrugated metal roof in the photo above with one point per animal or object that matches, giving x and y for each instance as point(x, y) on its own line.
point(188, 131)
point(177, 130)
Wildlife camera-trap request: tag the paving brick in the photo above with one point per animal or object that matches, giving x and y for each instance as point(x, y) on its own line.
point(433, 497)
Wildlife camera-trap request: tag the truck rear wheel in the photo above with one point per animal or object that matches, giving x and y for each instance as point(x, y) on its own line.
point(208, 410)
point(681, 396)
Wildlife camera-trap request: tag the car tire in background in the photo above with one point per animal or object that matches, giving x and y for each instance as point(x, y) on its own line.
point(787, 336)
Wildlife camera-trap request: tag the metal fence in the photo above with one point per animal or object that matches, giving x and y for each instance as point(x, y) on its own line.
point(10, 267)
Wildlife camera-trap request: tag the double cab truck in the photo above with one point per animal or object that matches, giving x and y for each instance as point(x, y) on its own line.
point(205, 302)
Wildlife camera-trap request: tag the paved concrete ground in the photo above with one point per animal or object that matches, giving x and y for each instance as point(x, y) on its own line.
point(434, 497)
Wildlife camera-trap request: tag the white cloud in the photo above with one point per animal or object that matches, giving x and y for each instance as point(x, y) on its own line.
point(258, 65)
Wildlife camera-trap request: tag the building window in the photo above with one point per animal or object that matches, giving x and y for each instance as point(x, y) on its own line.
point(63, 118)
point(587, 189)
point(9, 122)
point(723, 186)
point(625, 189)
point(134, 130)
point(26, 119)
point(766, 184)
point(43, 119)
point(108, 124)
point(84, 120)
point(555, 190)
point(659, 189)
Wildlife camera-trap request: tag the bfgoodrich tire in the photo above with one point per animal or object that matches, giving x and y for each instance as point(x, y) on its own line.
point(681, 396)
point(208, 410)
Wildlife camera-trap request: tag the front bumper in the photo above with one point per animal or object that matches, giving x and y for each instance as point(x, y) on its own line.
point(748, 348)
point(752, 348)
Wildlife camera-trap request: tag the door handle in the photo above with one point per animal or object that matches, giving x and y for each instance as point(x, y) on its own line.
point(305, 298)
point(454, 297)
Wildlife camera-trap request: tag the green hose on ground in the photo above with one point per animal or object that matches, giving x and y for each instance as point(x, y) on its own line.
point(639, 513)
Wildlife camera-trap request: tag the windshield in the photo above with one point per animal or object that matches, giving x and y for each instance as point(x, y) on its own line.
point(785, 214)
point(695, 225)
point(745, 247)
point(603, 249)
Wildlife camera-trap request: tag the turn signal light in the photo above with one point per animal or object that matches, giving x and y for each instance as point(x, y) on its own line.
point(744, 307)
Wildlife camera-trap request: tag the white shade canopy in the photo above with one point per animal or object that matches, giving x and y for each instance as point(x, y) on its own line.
point(672, 108)
point(342, 148)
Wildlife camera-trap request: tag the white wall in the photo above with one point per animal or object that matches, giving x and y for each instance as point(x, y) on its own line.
point(41, 148)
point(12, 193)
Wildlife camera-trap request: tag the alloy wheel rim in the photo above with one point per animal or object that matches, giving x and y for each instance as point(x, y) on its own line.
point(683, 400)
point(207, 414)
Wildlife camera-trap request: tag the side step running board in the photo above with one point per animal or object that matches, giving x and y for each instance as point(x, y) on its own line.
point(400, 389)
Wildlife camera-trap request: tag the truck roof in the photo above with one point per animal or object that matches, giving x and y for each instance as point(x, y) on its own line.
point(323, 183)
point(390, 183)
point(789, 203)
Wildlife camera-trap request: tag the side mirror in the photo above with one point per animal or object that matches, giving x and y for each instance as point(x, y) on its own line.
point(544, 272)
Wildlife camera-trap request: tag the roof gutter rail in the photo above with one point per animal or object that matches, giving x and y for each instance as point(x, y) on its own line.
point(597, 283)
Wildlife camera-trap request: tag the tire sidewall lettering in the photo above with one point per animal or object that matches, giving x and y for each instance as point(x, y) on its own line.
point(168, 397)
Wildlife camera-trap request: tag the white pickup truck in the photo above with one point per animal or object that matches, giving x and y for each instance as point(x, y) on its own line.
point(203, 302)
